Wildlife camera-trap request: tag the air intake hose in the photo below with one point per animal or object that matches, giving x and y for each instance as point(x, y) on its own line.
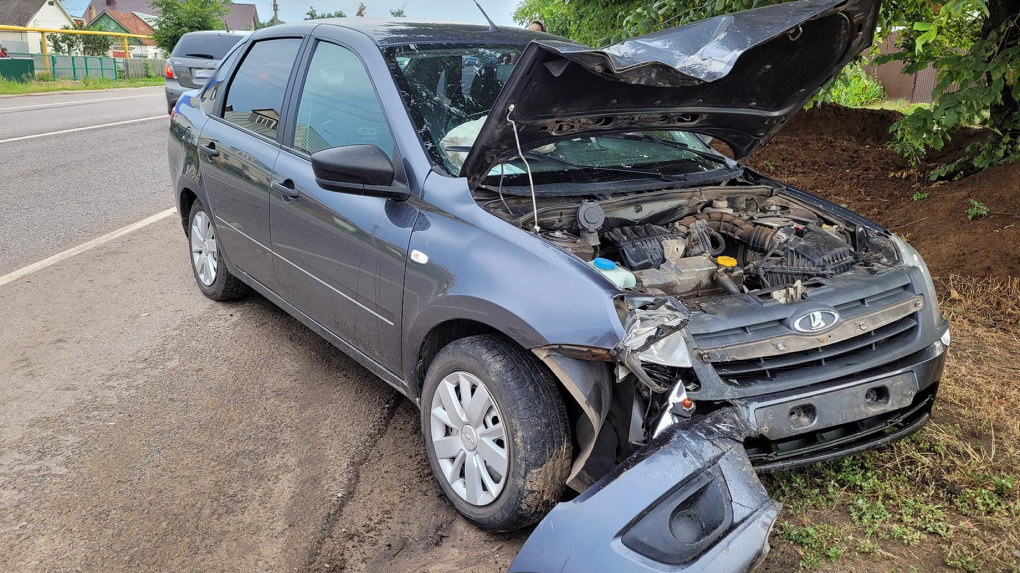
point(757, 237)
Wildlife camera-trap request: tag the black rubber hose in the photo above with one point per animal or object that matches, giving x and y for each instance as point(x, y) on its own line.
point(757, 237)
point(727, 283)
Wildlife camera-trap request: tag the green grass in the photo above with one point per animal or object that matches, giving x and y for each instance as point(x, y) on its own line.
point(8, 87)
point(901, 105)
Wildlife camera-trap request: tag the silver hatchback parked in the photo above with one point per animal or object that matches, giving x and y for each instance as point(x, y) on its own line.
point(194, 59)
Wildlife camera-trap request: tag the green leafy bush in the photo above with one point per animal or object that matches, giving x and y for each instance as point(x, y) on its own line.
point(853, 87)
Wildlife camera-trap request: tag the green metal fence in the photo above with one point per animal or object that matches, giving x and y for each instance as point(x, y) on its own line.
point(76, 67)
point(17, 69)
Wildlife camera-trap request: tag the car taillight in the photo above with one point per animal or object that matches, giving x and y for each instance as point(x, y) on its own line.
point(170, 74)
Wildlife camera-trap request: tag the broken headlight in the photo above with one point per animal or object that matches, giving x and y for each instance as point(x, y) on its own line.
point(653, 333)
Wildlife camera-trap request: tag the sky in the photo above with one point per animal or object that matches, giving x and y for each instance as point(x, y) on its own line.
point(500, 11)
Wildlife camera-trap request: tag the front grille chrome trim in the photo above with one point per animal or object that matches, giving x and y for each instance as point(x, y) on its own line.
point(787, 343)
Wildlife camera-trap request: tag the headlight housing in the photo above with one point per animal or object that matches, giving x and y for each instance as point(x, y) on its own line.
point(911, 257)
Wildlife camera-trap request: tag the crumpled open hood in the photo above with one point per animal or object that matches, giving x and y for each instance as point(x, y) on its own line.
point(737, 77)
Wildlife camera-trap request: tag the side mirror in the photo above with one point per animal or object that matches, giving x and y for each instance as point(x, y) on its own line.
point(362, 169)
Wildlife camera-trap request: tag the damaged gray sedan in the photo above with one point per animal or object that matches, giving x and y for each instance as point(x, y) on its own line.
point(536, 243)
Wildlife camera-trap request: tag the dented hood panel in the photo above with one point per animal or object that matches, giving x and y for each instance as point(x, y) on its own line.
point(737, 77)
point(689, 500)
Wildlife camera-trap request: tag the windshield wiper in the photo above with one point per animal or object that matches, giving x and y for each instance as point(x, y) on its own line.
point(630, 171)
point(674, 144)
point(206, 56)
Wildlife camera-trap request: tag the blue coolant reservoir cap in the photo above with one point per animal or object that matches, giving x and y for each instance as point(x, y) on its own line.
point(604, 264)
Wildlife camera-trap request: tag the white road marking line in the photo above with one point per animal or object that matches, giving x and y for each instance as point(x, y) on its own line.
point(74, 102)
point(24, 137)
point(25, 271)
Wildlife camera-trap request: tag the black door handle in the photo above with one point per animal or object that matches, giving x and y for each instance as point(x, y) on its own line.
point(286, 189)
point(210, 149)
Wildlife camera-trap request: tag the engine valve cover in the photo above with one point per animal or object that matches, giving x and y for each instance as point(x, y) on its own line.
point(640, 246)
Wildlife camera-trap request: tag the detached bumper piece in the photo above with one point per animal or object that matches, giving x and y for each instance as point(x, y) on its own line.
point(689, 500)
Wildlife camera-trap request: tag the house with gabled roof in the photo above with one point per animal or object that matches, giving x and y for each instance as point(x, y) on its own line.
point(127, 23)
point(34, 14)
point(241, 16)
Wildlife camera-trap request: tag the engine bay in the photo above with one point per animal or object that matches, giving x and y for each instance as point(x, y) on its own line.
point(699, 242)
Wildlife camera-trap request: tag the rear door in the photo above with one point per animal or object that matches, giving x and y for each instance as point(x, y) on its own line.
point(238, 148)
point(340, 256)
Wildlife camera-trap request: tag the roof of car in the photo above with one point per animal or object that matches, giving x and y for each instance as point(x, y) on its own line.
point(399, 31)
point(218, 33)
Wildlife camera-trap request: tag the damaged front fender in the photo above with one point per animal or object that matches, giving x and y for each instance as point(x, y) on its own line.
point(688, 500)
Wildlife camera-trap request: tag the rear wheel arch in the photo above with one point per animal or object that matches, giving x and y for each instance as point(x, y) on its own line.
point(186, 198)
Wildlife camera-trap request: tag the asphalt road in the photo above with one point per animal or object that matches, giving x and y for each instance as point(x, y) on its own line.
point(63, 189)
point(144, 427)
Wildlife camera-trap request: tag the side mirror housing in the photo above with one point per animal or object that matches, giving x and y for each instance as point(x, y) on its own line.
point(362, 169)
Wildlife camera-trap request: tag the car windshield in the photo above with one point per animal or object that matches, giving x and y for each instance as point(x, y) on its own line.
point(208, 46)
point(449, 90)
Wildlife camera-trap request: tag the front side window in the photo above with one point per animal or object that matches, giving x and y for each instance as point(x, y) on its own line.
point(255, 96)
point(338, 104)
point(450, 89)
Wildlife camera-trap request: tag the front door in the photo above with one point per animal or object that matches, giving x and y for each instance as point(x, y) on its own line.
point(340, 256)
point(238, 151)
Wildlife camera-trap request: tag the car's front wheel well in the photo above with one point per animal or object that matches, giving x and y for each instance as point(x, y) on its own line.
point(450, 331)
point(187, 199)
point(440, 336)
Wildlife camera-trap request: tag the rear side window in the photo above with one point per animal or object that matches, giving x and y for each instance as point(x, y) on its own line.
point(339, 105)
point(255, 96)
point(216, 86)
point(207, 46)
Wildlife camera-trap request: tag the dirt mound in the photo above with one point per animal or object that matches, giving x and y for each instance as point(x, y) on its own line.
point(841, 154)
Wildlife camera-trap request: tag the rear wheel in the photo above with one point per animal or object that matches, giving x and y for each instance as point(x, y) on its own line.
point(211, 274)
point(496, 432)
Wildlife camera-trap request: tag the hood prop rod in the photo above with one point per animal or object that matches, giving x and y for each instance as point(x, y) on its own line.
point(531, 182)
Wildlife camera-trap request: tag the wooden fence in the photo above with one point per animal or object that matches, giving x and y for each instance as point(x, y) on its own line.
point(915, 88)
point(143, 67)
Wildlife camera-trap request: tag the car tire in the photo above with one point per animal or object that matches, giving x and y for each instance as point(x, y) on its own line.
point(206, 256)
point(527, 419)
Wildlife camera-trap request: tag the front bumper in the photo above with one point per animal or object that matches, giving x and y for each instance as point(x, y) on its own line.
point(689, 500)
point(836, 434)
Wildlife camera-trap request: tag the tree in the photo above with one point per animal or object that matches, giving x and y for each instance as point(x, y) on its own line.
point(590, 22)
point(178, 17)
point(399, 12)
point(975, 46)
point(268, 23)
point(79, 44)
point(311, 14)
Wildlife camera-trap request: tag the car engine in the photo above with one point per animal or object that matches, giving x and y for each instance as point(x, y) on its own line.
point(702, 242)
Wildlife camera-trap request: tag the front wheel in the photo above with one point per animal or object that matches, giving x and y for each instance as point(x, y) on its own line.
point(496, 432)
